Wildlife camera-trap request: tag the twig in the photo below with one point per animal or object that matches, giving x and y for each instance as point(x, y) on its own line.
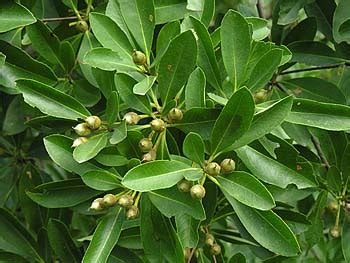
point(191, 255)
point(281, 88)
point(53, 19)
point(314, 68)
point(320, 153)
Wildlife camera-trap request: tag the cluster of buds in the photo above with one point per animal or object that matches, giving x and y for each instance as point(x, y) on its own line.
point(131, 118)
point(215, 249)
point(197, 191)
point(214, 169)
point(83, 129)
point(99, 204)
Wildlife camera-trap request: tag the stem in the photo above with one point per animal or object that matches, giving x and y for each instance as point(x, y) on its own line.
point(336, 225)
point(88, 9)
point(191, 255)
point(53, 19)
point(314, 68)
point(155, 101)
point(320, 153)
point(137, 199)
point(204, 177)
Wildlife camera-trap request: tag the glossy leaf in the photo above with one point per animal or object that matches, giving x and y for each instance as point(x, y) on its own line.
point(171, 202)
point(341, 22)
point(158, 174)
point(247, 190)
point(176, 65)
point(51, 101)
point(271, 171)
point(187, 230)
point(110, 156)
point(105, 237)
point(193, 147)
point(260, 28)
point(235, 45)
point(119, 133)
point(13, 15)
point(144, 86)
point(233, 121)
point(91, 148)
point(112, 108)
point(101, 180)
point(167, 33)
point(195, 89)
point(267, 228)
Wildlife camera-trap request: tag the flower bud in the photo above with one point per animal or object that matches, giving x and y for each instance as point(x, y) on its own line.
point(109, 200)
point(215, 249)
point(347, 206)
point(82, 26)
point(209, 239)
point(150, 156)
point(212, 169)
point(157, 125)
point(175, 114)
point(335, 232)
point(197, 191)
point(260, 96)
point(93, 122)
point(333, 206)
point(184, 185)
point(131, 118)
point(82, 129)
point(78, 141)
point(97, 204)
point(125, 201)
point(145, 145)
point(139, 58)
point(228, 166)
point(132, 212)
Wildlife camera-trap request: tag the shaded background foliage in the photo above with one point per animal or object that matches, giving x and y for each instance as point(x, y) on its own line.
point(290, 145)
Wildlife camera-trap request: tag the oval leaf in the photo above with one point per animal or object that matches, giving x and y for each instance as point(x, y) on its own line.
point(101, 180)
point(193, 147)
point(91, 148)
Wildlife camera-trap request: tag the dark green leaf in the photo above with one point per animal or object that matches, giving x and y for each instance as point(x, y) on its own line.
point(187, 230)
point(193, 147)
point(91, 148)
point(13, 15)
point(166, 34)
point(101, 180)
point(112, 108)
point(111, 157)
point(341, 22)
point(195, 90)
point(119, 133)
point(345, 238)
point(14, 118)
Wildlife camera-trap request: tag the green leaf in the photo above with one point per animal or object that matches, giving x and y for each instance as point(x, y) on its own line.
point(289, 11)
point(67, 56)
point(16, 239)
point(125, 84)
point(45, 42)
point(264, 69)
point(19, 65)
point(206, 57)
point(112, 108)
point(144, 86)
point(187, 230)
point(13, 15)
point(60, 150)
point(101, 180)
point(14, 118)
point(328, 116)
point(141, 22)
point(105, 237)
point(341, 22)
point(91, 148)
point(119, 133)
point(260, 28)
point(171, 202)
point(235, 45)
point(111, 157)
point(198, 120)
point(108, 59)
point(315, 89)
point(271, 171)
point(51, 101)
point(166, 34)
point(66, 193)
point(176, 65)
point(267, 228)
point(345, 238)
point(62, 242)
point(305, 30)
point(193, 147)
point(233, 121)
point(158, 174)
point(265, 121)
point(109, 34)
point(247, 190)
point(238, 258)
point(158, 236)
point(195, 90)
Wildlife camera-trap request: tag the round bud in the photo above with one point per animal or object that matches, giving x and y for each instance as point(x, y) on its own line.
point(209, 240)
point(260, 96)
point(139, 58)
point(109, 200)
point(97, 204)
point(82, 26)
point(228, 166)
point(175, 114)
point(197, 191)
point(212, 169)
point(184, 185)
point(82, 129)
point(78, 141)
point(93, 122)
point(145, 144)
point(215, 249)
point(131, 118)
point(335, 232)
point(132, 212)
point(333, 206)
point(125, 201)
point(347, 206)
point(157, 125)
point(150, 156)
